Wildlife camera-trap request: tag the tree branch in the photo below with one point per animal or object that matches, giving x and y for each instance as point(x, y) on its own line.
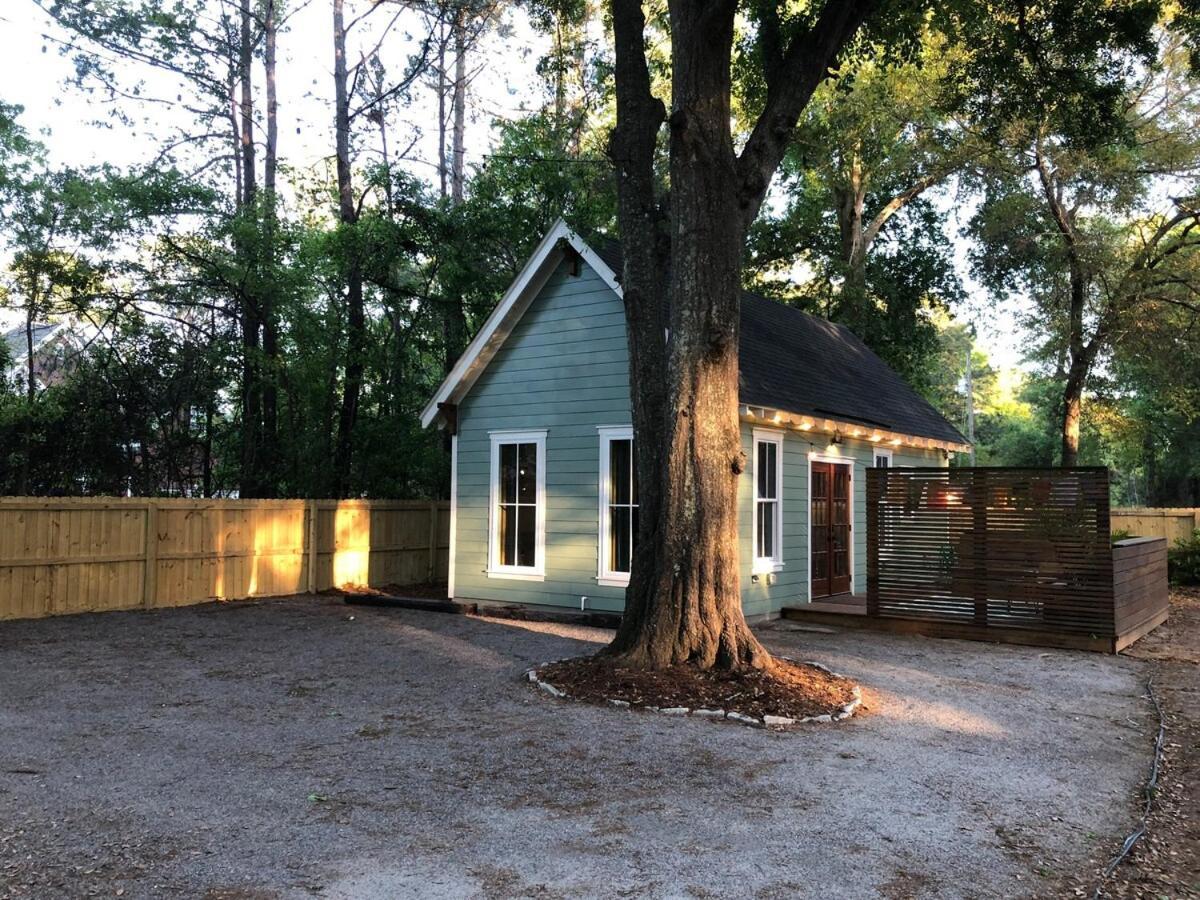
point(802, 68)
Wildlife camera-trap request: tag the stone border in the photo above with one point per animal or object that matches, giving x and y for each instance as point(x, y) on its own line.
point(846, 711)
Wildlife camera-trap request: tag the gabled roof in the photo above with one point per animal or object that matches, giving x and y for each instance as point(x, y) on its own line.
point(537, 271)
point(15, 339)
point(789, 361)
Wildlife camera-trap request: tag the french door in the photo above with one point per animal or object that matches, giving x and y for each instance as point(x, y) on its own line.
point(830, 512)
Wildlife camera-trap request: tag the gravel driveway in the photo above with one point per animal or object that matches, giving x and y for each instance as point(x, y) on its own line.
point(301, 747)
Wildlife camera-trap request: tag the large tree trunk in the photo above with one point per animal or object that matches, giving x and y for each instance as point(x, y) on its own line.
point(270, 314)
point(30, 397)
point(442, 86)
point(1072, 410)
point(458, 147)
point(251, 322)
point(454, 318)
point(1080, 354)
point(683, 604)
point(355, 312)
point(692, 611)
point(851, 203)
point(246, 107)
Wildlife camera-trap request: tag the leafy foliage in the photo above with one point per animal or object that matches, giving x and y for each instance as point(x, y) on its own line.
point(1183, 560)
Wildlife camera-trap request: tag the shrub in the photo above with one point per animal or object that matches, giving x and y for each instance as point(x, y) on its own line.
point(1183, 560)
point(1121, 534)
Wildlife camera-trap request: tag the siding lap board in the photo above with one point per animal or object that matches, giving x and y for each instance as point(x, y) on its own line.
point(565, 368)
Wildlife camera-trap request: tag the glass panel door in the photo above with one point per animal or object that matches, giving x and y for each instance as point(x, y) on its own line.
point(831, 532)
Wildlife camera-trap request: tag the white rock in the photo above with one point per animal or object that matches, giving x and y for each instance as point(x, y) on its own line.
point(709, 713)
point(674, 711)
point(739, 717)
point(824, 718)
point(550, 689)
point(622, 703)
point(531, 675)
point(778, 720)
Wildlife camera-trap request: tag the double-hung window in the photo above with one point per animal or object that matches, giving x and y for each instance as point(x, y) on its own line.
point(768, 500)
point(883, 458)
point(618, 505)
point(517, 519)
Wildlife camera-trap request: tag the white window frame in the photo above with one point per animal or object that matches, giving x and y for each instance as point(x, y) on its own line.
point(885, 453)
point(536, 572)
point(608, 434)
point(767, 564)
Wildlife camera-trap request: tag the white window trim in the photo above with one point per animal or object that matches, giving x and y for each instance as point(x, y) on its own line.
point(767, 564)
point(536, 572)
point(844, 461)
point(608, 433)
point(453, 516)
point(884, 452)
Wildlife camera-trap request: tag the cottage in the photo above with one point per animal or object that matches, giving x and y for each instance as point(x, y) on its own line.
point(544, 494)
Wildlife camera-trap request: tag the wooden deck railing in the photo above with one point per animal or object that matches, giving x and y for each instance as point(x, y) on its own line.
point(67, 555)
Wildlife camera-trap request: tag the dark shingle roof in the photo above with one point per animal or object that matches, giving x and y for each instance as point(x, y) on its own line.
point(798, 363)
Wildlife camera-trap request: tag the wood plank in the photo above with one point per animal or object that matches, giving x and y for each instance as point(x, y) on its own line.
point(64, 555)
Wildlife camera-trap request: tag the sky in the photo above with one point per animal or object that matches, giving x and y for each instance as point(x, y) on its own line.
point(34, 74)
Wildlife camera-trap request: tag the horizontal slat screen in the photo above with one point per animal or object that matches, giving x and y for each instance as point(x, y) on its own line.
point(994, 547)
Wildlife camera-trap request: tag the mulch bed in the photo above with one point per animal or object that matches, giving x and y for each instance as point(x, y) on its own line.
point(792, 690)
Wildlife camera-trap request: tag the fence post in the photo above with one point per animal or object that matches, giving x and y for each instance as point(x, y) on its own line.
point(876, 490)
point(979, 538)
point(150, 554)
point(311, 549)
point(433, 540)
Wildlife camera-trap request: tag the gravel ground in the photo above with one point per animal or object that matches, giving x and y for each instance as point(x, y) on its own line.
point(283, 748)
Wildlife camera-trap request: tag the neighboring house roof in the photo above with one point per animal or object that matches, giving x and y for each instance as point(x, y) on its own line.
point(789, 360)
point(17, 343)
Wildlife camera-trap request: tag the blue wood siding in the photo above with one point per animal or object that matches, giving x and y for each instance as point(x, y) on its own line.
point(791, 582)
point(565, 369)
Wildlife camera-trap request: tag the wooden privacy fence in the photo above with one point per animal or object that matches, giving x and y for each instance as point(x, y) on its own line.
point(985, 549)
point(1172, 523)
point(68, 555)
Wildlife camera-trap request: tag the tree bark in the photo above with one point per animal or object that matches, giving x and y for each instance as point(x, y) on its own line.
point(443, 173)
point(251, 462)
point(246, 106)
point(30, 394)
point(683, 604)
point(269, 304)
point(458, 146)
point(454, 319)
point(851, 203)
point(355, 312)
point(1079, 353)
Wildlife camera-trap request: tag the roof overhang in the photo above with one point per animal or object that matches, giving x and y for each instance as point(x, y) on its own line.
point(550, 252)
point(778, 418)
